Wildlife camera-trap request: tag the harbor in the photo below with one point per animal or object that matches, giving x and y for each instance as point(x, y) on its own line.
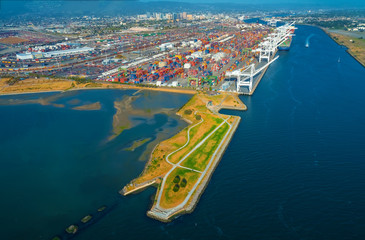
point(226, 57)
point(283, 159)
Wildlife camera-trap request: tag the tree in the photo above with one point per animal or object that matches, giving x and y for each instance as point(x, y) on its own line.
point(177, 179)
point(183, 183)
point(188, 112)
point(176, 188)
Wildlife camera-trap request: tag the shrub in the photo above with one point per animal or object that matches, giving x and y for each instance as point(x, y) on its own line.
point(176, 188)
point(198, 117)
point(177, 179)
point(188, 112)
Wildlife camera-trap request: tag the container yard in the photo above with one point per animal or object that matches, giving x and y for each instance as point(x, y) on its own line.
point(202, 56)
point(200, 62)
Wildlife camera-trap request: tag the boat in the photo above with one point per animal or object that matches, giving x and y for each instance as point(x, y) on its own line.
point(306, 45)
point(339, 59)
point(285, 46)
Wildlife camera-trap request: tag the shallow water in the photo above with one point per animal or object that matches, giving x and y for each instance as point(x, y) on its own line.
point(57, 165)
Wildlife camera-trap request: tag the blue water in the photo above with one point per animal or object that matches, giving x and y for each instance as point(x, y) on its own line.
point(57, 165)
point(293, 170)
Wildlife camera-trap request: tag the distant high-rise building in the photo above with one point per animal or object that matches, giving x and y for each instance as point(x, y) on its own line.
point(184, 15)
point(142, 17)
point(157, 16)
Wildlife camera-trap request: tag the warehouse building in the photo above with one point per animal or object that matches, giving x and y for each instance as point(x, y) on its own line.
point(60, 53)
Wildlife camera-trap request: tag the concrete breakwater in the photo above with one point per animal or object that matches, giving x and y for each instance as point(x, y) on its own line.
point(136, 187)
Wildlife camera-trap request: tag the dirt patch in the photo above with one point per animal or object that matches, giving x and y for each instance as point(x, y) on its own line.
point(13, 40)
point(36, 85)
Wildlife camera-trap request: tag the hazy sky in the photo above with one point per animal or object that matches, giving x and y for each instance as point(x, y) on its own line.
point(315, 2)
point(342, 3)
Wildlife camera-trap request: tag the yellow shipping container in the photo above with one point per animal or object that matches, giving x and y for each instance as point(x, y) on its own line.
point(161, 64)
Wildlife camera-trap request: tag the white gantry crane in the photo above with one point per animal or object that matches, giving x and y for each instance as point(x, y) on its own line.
point(268, 47)
point(245, 76)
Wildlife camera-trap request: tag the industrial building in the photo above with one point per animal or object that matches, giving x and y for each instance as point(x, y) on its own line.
point(60, 53)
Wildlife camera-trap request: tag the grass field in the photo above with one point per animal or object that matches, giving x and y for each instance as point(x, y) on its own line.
point(170, 197)
point(230, 101)
point(199, 159)
point(196, 135)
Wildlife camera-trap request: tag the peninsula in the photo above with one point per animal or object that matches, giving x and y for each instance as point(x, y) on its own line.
point(180, 167)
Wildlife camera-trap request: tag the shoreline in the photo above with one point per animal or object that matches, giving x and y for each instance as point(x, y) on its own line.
point(260, 77)
point(122, 87)
point(23, 93)
point(348, 50)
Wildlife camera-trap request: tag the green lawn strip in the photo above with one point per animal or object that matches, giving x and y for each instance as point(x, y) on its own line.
point(203, 153)
point(169, 194)
point(191, 144)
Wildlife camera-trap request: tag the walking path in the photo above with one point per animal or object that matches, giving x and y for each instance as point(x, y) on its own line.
point(187, 142)
point(162, 213)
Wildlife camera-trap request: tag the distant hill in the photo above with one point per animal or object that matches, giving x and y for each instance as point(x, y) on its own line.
point(74, 8)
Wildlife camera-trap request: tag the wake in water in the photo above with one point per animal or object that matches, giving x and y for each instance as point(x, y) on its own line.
point(307, 40)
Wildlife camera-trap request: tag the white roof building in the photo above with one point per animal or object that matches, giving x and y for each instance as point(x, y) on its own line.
point(68, 52)
point(24, 56)
point(60, 53)
point(218, 56)
point(197, 54)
